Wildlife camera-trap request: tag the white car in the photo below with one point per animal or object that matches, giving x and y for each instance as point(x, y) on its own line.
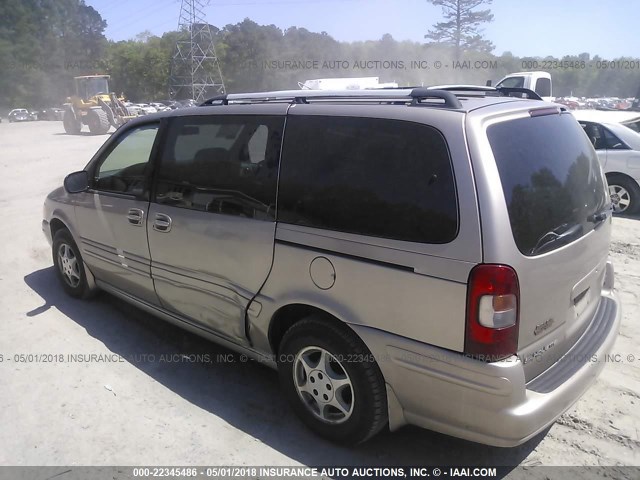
point(159, 106)
point(618, 149)
point(629, 118)
point(146, 108)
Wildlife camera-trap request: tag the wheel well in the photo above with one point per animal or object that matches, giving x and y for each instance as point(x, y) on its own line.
point(56, 225)
point(621, 175)
point(288, 315)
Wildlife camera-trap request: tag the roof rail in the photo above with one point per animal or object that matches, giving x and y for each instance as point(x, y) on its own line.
point(504, 91)
point(412, 95)
point(507, 91)
point(450, 100)
point(219, 98)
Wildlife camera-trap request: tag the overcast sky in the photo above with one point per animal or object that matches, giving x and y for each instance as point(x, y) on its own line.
point(538, 28)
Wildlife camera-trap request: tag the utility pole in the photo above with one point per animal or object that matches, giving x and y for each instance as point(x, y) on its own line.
point(195, 69)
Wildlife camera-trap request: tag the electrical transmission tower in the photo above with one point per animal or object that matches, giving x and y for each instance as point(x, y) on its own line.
point(195, 70)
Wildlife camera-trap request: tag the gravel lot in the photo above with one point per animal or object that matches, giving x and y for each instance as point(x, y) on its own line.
point(177, 412)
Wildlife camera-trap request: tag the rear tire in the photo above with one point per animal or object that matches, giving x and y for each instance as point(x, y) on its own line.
point(625, 195)
point(332, 381)
point(98, 122)
point(69, 265)
point(71, 125)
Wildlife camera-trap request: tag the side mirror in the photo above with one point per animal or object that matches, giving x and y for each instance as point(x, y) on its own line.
point(488, 84)
point(77, 182)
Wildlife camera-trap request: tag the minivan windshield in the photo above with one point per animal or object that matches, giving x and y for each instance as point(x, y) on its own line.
point(551, 179)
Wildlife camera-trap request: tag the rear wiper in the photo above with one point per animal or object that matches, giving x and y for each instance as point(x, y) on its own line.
point(560, 235)
point(600, 217)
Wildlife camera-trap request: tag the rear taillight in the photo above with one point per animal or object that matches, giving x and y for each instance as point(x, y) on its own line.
point(493, 298)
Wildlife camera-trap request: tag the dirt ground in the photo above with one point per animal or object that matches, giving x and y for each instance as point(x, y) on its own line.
point(145, 411)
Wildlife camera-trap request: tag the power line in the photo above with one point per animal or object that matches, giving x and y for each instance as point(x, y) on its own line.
point(154, 6)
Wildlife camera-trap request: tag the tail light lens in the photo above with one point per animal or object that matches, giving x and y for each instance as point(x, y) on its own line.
point(493, 298)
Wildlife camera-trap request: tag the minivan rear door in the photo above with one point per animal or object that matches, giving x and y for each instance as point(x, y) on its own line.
point(548, 218)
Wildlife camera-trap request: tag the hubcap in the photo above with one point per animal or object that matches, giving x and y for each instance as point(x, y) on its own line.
point(323, 385)
point(68, 265)
point(620, 198)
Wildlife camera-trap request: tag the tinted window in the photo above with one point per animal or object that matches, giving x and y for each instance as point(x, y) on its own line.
point(384, 178)
point(612, 142)
point(123, 169)
point(225, 164)
point(551, 180)
point(594, 133)
point(543, 87)
point(512, 82)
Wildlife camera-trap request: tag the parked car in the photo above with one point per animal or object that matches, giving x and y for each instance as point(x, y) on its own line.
point(571, 104)
point(628, 118)
point(171, 104)
point(133, 109)
point(145, 108)
point(618, 149)
point(187, 103)
point(403, 256)
point(19, 115)
point(52, 113)
point(160, 107)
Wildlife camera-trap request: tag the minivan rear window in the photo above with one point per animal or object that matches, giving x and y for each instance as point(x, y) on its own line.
point(551, 179)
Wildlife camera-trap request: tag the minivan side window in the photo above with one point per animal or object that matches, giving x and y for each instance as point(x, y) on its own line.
point(378, 177)
point(123, 169)
point(222, 164)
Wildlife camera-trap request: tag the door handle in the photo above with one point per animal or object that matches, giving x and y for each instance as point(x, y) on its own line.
point(135, 216)
point(162, 222)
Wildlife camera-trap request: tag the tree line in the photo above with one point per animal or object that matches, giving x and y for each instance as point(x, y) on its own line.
point(45, 43)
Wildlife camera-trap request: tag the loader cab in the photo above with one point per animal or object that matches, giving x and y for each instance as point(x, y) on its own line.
point(91, 86)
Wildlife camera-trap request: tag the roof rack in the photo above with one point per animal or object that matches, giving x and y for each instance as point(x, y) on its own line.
point(507, 91)
point(211, 101)
point(413, 96)
point(446, 95)
point(503, 91)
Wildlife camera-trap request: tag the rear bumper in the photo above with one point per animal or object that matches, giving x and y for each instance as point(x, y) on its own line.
point(488, 403)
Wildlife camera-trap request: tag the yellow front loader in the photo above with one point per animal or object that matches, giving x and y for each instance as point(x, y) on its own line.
point(95, 106)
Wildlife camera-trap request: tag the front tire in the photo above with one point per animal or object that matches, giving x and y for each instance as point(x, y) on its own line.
point(71, 125)
point(332, 381)
point(625, 195)
point(69, 265)
point(98, 122)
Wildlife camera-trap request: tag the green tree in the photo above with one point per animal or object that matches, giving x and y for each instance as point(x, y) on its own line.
point(461, 28)
point(43, 44)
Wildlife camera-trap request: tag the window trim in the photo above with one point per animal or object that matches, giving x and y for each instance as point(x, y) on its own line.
point(111, 145)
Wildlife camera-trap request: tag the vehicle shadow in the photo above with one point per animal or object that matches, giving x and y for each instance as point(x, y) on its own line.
point(245, 393)
point(634, 216)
